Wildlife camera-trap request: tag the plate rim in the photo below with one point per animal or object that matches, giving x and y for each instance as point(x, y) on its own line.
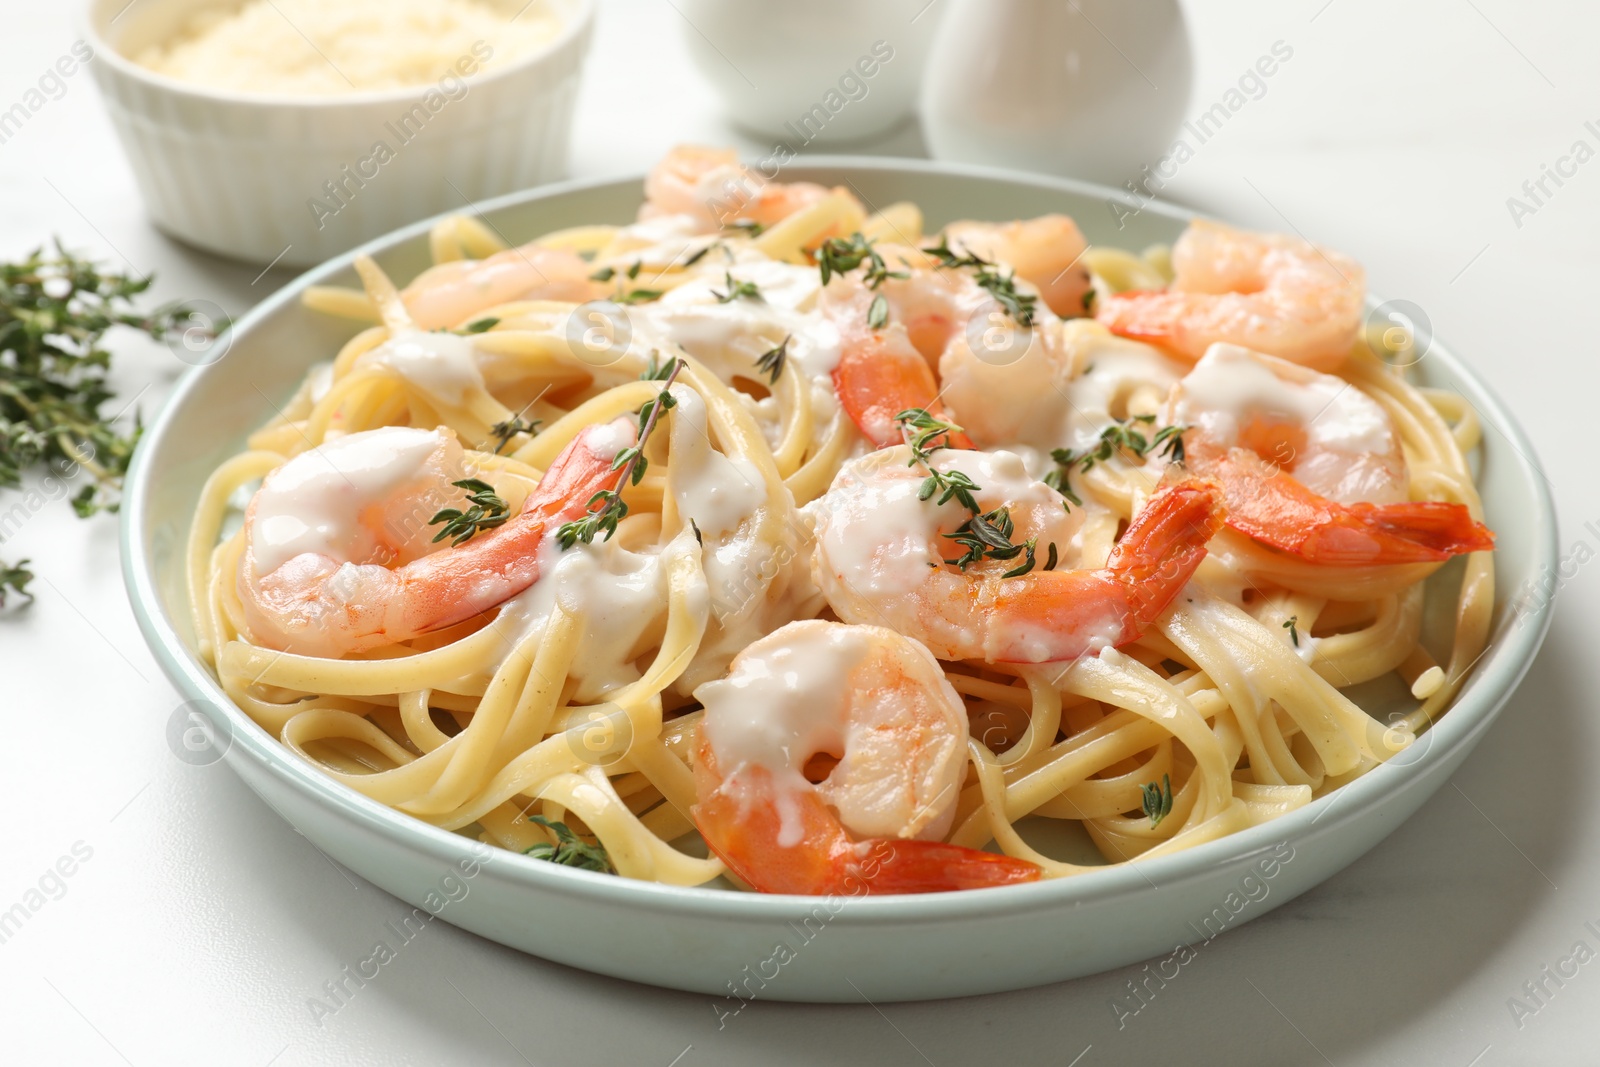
point(1505, 661)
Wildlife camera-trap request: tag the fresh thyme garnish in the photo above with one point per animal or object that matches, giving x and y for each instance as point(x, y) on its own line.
point(604, 274)
point(878, 313)
point(772, 361)
point(570, 850)
point(988, 536)
point(54, 311)
point(1088, 301)
point(1157, 800)
point(487, 512)
point(748, 290)
point(633, 271)
point(657, 371)
point(15, 579)
point(1293, 626)
point(700, 254)
point(750, 227)
point(481, 325)
point(1003, 287)
point(639, 296)
point(1167, 443)
point(839, 256)
point(606, 508)
point(923, 432)
point(503, 432)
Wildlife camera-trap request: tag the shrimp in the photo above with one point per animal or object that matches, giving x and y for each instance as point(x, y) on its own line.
point(882, 372)
point(338, 554)
point(879, 704)
point(710, 185)
point(448, 294)
point(1310, 465)
point(1045, 252)
point(1269, 292)
point(882, 556)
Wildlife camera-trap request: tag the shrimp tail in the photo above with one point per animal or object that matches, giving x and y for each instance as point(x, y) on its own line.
point(1054, 616)
point(1276, 510)
point(876, 381)
point(1165, 543)
point(888, 865)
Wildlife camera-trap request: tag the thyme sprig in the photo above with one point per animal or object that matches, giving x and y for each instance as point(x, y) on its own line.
point(737, 290)
point(55, 310)
point(1157, 800)
point(569, 849)
point(487, 512)
point(774, 359)
point(1293, 626)
point(483, 325)
point(1002, 286)
point(988, 536)
point(923, 432)
point(1167, 442)
point(16, 579)
point(606, 508)
point(503, 432)
point(839, 255)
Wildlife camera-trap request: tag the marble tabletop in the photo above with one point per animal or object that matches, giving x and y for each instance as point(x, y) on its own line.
point(181, 921)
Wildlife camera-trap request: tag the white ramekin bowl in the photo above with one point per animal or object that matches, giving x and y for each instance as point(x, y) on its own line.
point(295, 180)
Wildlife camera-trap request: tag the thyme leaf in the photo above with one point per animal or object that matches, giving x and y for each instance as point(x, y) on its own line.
point(569, 849)
point(1157, 800)
point(487, 512)
point(773, 360)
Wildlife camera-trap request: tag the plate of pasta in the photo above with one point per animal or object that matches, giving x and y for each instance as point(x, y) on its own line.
point(700, 564)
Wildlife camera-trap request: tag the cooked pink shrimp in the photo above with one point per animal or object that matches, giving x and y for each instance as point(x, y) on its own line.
point(882, 372)
point(1269, 292)
point(1310, 465)
point(884, 555)
point(1046, 252)
point(338, 553)
point(879, 704)
point(448, 294)
point(711, 185)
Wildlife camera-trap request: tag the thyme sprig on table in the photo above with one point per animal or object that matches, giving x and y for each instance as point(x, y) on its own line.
point(55, 311)
point(606, 508)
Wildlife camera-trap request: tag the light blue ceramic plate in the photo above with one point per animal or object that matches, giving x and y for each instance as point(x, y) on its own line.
point(797, 948)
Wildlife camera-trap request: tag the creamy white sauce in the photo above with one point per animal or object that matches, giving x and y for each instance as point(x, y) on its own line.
point(621, 596)
point(442, 364)
point(1231, 384)
point(313, 503)
point(715, 490)
point(780, 706)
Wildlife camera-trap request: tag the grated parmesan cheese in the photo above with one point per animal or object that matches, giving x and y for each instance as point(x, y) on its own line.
point(317, 48)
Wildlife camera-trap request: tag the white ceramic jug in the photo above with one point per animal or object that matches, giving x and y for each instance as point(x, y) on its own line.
point(823, 72)
point(1083, 88)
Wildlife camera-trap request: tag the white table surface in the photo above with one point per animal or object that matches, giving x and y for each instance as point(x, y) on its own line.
point(201, 923)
